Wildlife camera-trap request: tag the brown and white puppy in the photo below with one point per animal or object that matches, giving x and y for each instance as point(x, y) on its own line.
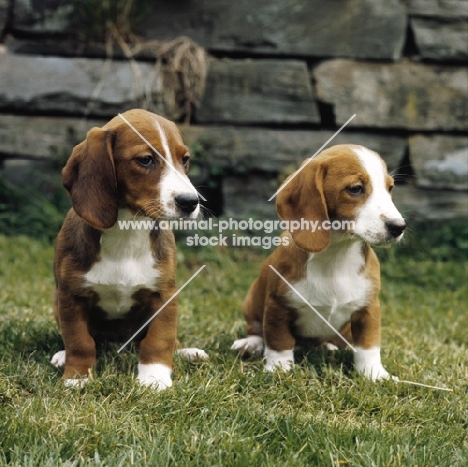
point(111, 280)
point(336, 271)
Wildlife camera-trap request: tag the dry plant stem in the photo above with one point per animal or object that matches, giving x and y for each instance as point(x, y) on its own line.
point(180, 69)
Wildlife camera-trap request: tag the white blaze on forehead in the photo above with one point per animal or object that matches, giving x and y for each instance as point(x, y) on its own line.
point(173, 181)
point(172, 171)
point(163, 138)
point(373, 165)
point(379, 207)
point(380, 198)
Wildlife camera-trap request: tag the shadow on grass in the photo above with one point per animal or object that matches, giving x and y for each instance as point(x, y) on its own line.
point(317, 360)
point(320, 359)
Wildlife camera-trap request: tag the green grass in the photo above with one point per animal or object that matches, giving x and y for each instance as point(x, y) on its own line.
point(226, 412)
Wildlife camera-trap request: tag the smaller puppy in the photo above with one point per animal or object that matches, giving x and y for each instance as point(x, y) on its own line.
point(336, 271)
point(110, 280)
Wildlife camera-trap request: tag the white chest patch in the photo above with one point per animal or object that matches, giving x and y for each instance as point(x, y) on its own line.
point(335, 286)
point(126, 265)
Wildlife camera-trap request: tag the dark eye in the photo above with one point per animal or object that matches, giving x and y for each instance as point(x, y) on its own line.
point(355, 190)
point(390, 188)
point(146, 161)
point(185, 160)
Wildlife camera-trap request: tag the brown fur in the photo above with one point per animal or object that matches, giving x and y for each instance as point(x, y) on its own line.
point(102, 175)
point(317, 192)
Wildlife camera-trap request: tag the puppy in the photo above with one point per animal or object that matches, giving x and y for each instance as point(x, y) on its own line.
point(110, 279)
point(336, 272)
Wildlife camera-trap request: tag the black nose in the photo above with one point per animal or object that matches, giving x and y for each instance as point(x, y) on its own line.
point(187, 202)
point(396, 226)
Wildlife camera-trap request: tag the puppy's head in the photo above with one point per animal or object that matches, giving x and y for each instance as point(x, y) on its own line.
point(138, 162)
point(345, 188)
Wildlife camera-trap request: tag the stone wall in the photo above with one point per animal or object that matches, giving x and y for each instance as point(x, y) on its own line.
point(282, 78)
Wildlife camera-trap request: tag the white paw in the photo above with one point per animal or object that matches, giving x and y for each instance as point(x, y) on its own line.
point(282, 360)
point(155, 375)
point(251, 345)
point(76, 383)
point(330, 346)
point(58, 360)
point(193, 354)
point(368, 363)
point(375, 372)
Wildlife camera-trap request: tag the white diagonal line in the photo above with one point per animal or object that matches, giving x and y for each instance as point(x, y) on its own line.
point(311, 307)
point(160, 309)
point(309, 159)
point(424, 385)
point(185, 180)
point(343, 338)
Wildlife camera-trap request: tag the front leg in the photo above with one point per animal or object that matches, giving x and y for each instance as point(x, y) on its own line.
point(157, 347)
point(365, 328)
point(80, 348)
point(279, 342)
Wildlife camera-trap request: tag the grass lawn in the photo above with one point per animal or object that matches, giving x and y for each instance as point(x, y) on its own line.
point(226, 412)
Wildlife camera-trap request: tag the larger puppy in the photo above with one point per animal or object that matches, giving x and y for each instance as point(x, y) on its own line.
point(337, 272)
point(111, 280)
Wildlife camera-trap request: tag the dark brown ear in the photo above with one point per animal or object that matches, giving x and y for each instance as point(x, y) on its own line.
point(302, 199)
point(89, 177)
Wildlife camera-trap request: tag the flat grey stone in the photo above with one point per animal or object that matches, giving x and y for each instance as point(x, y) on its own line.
point(3, 17)
point(242, 149)
point(400, 96)
point(258, 91)
point(233, 149)
point(439, 205)
point(441, 39)
point(373, 29)
point(42, 137)
point(439, 8)
point(440, 162)
point(78, 86)
point(46, 17)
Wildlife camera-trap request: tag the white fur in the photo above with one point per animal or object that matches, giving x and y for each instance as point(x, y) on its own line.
point(368, 363)
point(250, 345)
point(58, 360)
point(155, 375)
point(334, 285)
point(282, 360)
point(330, 346)
point(192, 354)
point(163, 138)
point(379, 207)
point(173, 182)
point(126, 264)
point(76, 383)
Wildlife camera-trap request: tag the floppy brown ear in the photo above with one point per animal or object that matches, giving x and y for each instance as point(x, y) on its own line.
point(89, 177)
point(303, 198)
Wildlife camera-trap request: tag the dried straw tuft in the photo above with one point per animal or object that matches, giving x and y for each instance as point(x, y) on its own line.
point(180, 71)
